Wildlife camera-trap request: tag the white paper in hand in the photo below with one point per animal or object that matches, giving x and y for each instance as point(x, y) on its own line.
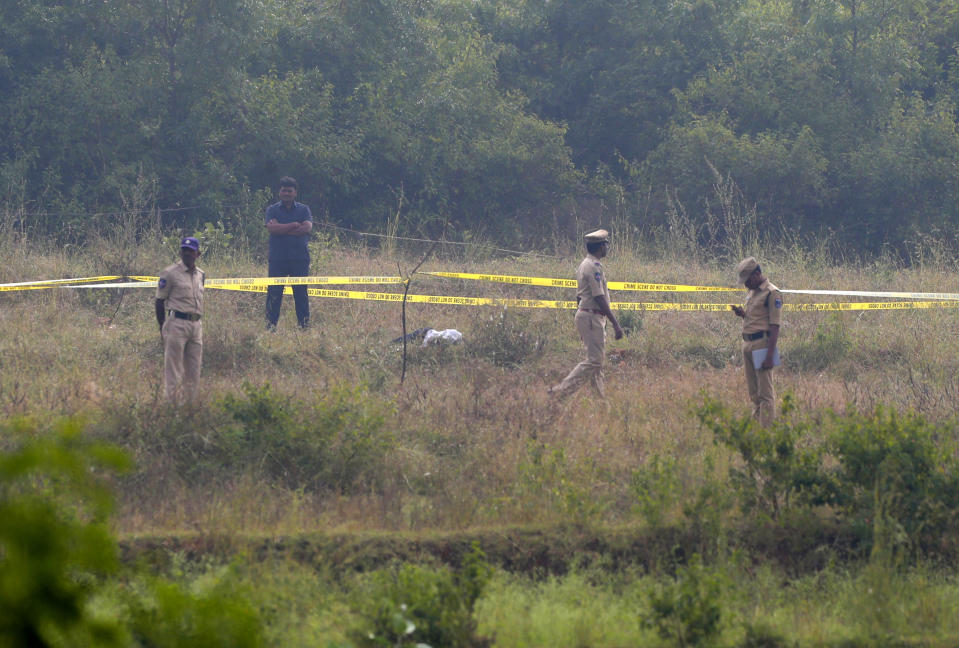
point(759, 356)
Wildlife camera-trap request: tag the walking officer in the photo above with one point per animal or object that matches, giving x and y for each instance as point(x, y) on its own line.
point(592, 296)
point(762, 316)
point(180, 295)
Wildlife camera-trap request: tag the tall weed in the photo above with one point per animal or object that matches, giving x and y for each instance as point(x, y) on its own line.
point(547, 481)
point(656, 488)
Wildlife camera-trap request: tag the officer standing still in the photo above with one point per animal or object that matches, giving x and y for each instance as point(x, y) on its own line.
point(289, 224)
point(762, 316)
point(180, 295)
point(592, 296)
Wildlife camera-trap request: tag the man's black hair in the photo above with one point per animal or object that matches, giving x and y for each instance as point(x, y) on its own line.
point(287, 181)
point(593, 246)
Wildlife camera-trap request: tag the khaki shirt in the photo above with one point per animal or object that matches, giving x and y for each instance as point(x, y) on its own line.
point(182, 289)
point(764, 307)
point(591, 283)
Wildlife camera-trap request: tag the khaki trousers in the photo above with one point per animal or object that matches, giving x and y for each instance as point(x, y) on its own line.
point(182, 357)
point(592, 331)
point(759, 383)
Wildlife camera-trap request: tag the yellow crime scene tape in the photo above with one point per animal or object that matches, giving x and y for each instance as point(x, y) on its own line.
point(288, 281)
point(121, 284)
point(827, 306)
point(660, 287)
point(917, 300)
point(863, 306)
point(571, 283)
point(451, 300)
point(876, 293)
point(52, 283)
point(146, 281)
point(638, 306)
point(518, 280)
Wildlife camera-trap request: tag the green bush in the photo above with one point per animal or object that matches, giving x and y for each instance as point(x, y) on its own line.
point(338, 443)
point(778, 465)
point(58, 559)
point(656, 487)
point(166, 614)
point(899, 469)
point(55, 544)
point(421, 606)
point(901, 466)
point(687, 611)
point(169, 445)
point(548, 482)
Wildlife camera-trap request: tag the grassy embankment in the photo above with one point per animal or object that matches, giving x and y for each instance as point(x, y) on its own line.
point(470, 446)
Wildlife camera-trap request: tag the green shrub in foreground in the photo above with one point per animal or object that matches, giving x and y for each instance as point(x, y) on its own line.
point(780, 466)
point(687, 611)
point(210, 614)
point(57, 556)
point(421, 606)
point(899, 467)
point(55, 545)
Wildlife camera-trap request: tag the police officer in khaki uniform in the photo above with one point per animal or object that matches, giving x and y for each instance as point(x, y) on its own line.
point(180, 294)
point(762, 316)
point(592, 295)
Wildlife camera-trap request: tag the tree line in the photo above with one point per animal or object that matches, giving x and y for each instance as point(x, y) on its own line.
point(507, 119)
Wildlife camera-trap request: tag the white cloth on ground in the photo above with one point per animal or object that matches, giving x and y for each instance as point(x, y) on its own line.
point(446, 336)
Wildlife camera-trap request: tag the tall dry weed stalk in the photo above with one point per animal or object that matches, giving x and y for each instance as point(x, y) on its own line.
point(727, 230)
point(681, 237)
point(121, 239)
point(734, 231)
point(390, 242)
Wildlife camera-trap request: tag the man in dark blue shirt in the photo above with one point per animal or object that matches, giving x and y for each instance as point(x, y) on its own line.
point(289, 223)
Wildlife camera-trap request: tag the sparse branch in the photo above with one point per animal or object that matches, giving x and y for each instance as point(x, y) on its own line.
point(406, 290)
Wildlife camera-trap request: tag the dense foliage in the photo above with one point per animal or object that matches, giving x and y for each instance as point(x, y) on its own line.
point(61, 582)
point(893, 476)
point(58, 555)
point(501, 118)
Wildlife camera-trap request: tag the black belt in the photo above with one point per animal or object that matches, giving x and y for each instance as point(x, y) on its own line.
point(592, 310)
point(193, 317)
point(755, 336)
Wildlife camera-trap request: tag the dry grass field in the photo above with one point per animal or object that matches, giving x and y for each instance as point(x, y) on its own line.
point(476, 440)
point(305, 454)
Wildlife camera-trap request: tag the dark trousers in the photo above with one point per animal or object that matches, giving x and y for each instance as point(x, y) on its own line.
point(274, 294)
